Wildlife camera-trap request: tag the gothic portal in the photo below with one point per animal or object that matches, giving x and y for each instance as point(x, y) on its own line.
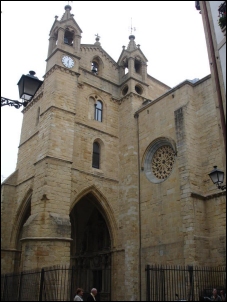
point(91, 246)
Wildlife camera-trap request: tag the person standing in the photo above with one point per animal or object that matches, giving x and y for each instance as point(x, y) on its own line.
point(79, 294)
point(215, 296)
point(92, 295)
point(223, 296)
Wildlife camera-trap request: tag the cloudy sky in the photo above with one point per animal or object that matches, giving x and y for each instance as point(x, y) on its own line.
point(170, 34)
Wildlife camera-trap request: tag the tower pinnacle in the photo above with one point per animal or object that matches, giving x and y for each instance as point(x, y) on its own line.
point(67, 15)
point(131, 45)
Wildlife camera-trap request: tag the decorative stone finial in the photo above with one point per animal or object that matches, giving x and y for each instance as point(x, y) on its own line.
point(132, 45)
point(123, 47)
point(68, 7)
point(97, 40)
point(67, 15)
point(97, 37)
point(56, 17)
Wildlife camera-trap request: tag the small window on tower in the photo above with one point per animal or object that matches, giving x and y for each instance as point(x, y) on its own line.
point(96, 155)
point(125, 65)
point(68, 38)
point(125, 90)
point(138, 89)
point(56, 38)
point(98, 111)
point(97, 66)
point(94, 67)
point(37, 117)
point(138, 66)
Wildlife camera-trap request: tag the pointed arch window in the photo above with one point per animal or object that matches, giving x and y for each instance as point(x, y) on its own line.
point(96, 155)
point(97, 65)
point(68, 37)
point(98, 111)
point(94, 68)
point(138, 65)
point(125, 65)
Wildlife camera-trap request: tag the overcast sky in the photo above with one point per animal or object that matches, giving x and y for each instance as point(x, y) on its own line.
point(170, 35)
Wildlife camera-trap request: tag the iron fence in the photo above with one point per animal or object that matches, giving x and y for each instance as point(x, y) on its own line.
point(57, 283)
point(183, 283)
point(163, 283)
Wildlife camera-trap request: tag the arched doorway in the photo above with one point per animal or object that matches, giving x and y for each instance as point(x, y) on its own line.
point(22, 216)
point(91, 247)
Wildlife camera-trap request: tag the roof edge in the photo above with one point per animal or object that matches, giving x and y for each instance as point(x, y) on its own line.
point(186, 82)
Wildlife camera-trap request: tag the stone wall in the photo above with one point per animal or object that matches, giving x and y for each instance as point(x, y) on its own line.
point(169, 213)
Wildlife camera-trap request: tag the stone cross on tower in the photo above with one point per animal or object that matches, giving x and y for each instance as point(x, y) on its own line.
point(97, 37)
point(97, 40)
point(69, 2)
point(132, 28)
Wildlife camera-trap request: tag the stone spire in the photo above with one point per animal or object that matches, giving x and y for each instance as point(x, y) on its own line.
point(131, 45)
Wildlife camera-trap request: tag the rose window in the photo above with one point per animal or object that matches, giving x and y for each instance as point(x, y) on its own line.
point(159, 159)
point(162, 162)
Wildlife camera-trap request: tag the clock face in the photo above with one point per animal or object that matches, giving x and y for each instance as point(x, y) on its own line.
point(68, 62)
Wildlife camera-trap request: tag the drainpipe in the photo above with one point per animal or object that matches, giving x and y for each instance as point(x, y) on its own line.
point(139, 200)
point(217, 83)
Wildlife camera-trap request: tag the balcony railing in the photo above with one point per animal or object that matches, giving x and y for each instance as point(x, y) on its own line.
point(222, 15)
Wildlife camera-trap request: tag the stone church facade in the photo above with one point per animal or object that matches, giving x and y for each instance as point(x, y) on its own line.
point(113, 165)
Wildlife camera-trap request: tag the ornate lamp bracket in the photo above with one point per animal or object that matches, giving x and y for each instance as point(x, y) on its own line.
point(16, 104)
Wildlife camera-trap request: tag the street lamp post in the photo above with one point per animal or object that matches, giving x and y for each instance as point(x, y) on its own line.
point(217, 177)
point(27, 85)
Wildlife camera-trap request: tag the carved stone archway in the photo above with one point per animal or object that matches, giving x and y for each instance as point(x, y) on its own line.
point(91, 247)
point(22, 215)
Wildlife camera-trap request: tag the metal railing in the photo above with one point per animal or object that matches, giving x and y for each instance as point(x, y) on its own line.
point(185, 283)
point(57, 283)
point(222, 9)
point(163, 283)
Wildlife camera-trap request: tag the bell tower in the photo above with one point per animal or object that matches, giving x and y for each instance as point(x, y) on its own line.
point(47, 232)
point(65, 38)
point(133, 69)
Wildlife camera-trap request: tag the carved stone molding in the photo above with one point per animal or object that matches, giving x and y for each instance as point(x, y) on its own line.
point(33, 102)
point(114, 100)
point(127, 96)
point(80, 85)
point(61, 68)
point(102, 51)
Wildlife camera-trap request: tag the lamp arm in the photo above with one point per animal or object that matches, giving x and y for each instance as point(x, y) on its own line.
point(221, 187)
point(16, 104)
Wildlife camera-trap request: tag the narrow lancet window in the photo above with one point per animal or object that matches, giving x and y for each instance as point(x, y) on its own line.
point(98, 111)
point(96, 155)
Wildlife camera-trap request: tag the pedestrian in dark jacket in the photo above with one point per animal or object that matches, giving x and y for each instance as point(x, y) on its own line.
point(92, 295)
